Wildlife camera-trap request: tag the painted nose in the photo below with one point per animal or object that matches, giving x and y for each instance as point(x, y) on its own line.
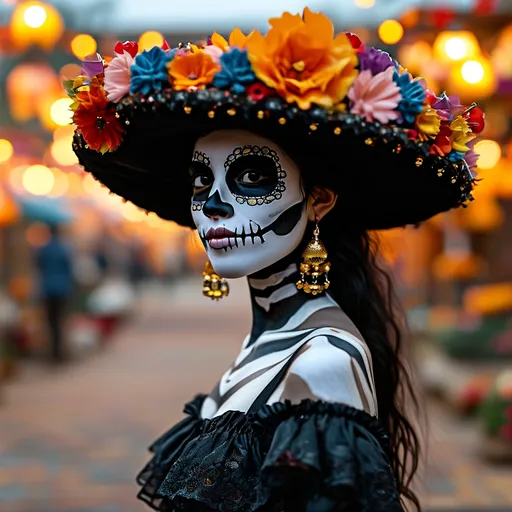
point(215, 207)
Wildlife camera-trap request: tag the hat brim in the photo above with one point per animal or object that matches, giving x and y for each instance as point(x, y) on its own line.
point(383, 179)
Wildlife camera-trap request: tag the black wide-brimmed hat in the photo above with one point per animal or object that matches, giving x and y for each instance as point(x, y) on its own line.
point(351, 117)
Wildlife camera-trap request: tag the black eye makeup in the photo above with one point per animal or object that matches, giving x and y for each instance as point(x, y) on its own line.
point(201, 176)
point(254, 175)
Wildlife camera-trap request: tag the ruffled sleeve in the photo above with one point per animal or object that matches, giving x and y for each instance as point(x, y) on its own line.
point(166, 450)
point(331, 457)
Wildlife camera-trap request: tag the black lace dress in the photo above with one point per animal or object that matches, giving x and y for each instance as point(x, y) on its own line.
point(309, 457)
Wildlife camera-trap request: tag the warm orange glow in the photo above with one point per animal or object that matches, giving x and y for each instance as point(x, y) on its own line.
point(488, 299)
point(490, 153)
point(6, 151)
point(36, 23)
point(391, 31)
point(8, 210)
point(455, 46)
point(150, 39)
point(60, 111)
point(38, 180)
point(62, 152)
point(64, 132)
point(69, 71)
point(133, 214)
point(37, 235)
point(414, 56)
point(83, 45)
point(473, 79)
point(410, 19)
point(61, 185)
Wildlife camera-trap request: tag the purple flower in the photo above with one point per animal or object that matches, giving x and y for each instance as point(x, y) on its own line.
point(375, 60)
point(448, 107)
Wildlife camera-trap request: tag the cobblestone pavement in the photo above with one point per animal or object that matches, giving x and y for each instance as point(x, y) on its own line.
point(72, 440)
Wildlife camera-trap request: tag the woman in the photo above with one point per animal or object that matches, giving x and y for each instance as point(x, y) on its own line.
point(284, 151)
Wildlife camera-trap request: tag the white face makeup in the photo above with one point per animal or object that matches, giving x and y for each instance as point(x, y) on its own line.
point(248, 204)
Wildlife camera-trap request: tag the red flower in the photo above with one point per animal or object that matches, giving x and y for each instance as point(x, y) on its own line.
point(442, 144)
point(165, 46)
point(476, 119)
point(258, 91)
point(130, 47)
point(96, 119)
point(430, 97)
point(355, 41)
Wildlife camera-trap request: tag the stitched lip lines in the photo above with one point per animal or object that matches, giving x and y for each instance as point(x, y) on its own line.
point(223, 238)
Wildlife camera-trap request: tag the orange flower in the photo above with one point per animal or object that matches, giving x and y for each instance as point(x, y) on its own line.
point(301, 60)
point(95, 118)
point(192, 70)
point(236, 38)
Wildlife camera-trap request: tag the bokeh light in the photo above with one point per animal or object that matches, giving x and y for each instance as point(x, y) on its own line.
point(6, 151)
point(391, 31)
point(472, 71)
point(60, 111)
point(150, 39)
point(69, 70)
point(64, 132)
point(62, 152)
point(456, 46)
point(35, 16)
point(61, 185)
point(83, 45)
point(38, 180)
point(490, 153)
point(364, 4)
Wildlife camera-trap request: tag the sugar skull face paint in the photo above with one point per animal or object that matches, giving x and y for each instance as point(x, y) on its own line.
point(248, 204)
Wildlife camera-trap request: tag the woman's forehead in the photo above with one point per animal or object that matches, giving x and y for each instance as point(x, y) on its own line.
point(220, 144)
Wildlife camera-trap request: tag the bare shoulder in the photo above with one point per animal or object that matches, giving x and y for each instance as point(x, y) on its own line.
point(333, 366)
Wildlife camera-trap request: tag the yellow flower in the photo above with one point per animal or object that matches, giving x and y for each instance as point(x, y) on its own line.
point(461, 134)
point(428, 122)
point(302, 61)
point(192, 70)
point(236, 38)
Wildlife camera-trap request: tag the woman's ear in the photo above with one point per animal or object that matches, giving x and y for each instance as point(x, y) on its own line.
point(320, 202)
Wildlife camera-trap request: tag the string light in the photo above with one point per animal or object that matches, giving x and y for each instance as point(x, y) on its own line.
point(149, 40)
point(60, 111)
point(83, 45)
point(489, 152)
point(38, 180)
point(472, 71)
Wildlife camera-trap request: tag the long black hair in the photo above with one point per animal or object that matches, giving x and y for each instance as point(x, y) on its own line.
point(364, 291)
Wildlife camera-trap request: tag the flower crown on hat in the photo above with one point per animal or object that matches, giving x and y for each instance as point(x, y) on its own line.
point(299, 60)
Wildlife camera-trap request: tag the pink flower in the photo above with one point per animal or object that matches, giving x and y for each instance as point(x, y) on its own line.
point(375, 97)
point(117, 76)
point(214, 52)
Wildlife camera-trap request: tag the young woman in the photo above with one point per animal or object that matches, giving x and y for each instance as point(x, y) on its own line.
point(284, 151)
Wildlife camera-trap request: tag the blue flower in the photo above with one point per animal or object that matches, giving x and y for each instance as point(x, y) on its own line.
point(149, 71)
point(454, 156)
point(236, 71)
point(413, 96)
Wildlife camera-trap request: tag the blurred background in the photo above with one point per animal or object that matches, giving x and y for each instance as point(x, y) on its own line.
point(104, 333)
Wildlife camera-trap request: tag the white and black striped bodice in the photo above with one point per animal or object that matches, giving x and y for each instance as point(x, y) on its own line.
point(299, 348)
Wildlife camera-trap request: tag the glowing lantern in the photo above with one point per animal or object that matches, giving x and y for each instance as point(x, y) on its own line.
point(36, 23)
point(26, 85)
point(6, 151)
point(83, 45)
point(150, 39)
point(391, 31)
point(456, 46)
point(490, 153)
point(473, 79)
point(38, 180)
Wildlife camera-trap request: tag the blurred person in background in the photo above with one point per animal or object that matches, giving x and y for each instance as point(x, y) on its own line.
point(285, 151)
point(54, 263)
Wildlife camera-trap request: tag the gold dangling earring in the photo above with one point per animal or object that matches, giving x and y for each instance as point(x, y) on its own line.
point(314, 269)
point(214, 286)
